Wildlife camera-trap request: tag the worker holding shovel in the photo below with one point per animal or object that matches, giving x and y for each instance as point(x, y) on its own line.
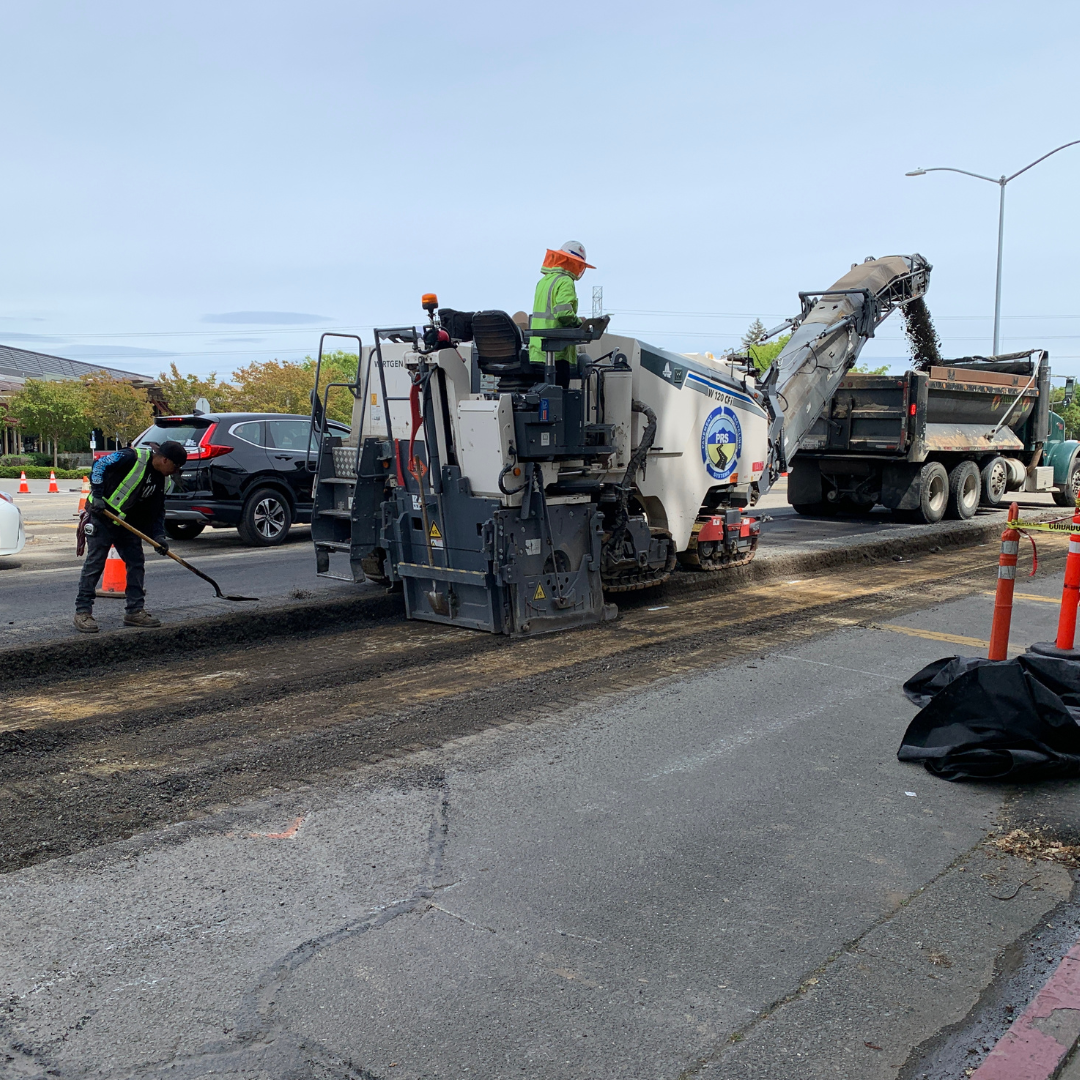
point(125, 486)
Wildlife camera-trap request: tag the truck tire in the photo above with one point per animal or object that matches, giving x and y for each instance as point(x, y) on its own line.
point(995, 481)
point(1068, 495)
point(933, 492)
point(965, 489)
point(266, 518)
point(183, 530)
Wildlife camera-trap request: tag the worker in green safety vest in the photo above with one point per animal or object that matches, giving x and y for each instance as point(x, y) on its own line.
point(555, 304)
point(129, 483)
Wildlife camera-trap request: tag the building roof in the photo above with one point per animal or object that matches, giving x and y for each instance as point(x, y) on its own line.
point(22, 364)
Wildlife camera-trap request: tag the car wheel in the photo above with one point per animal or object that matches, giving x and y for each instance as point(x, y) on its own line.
point(965, 489)
point(995, 481)
point(933, 492)
point(183, 530)
point(266, 519)
point(1071, 491)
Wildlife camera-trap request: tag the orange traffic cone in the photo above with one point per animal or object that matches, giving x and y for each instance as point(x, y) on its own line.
point(114, 579)
point(54, 488)
point(24, 487)
point(85, 492)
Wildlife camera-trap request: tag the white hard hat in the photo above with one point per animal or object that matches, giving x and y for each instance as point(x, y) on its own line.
point(577, 249)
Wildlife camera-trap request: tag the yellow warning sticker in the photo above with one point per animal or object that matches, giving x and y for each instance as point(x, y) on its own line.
point(434, 533)
point(539, 594)
point(374, 399)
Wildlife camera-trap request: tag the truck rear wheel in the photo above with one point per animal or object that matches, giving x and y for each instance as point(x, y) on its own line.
point(965, 488)
point(995, 481)
point(933, 492)
point(1068, 495)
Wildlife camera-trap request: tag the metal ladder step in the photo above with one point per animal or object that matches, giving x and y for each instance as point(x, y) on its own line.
point(333, 545)
point(344, 514)
point(338, 480)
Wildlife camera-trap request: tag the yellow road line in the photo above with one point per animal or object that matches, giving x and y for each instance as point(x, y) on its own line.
point(936, 635)
point(1030, 596)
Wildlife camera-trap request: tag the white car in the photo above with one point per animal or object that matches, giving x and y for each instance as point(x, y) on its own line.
point(12, 536)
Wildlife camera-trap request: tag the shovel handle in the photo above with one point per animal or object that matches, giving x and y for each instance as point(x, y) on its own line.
point(157, 547)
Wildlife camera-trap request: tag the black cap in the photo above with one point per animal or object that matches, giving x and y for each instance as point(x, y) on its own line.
point(174, 452)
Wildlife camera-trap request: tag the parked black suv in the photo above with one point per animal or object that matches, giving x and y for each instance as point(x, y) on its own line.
point(244, 470)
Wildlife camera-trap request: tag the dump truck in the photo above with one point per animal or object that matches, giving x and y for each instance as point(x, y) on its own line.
point(938, 442)
point(499, 498)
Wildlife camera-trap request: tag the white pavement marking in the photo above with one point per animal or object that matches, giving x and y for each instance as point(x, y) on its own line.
point(839, 667)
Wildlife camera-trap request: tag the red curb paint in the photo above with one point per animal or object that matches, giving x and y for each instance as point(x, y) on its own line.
point(1026, 1053)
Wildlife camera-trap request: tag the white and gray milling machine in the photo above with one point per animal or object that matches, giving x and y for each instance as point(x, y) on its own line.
point(497, 499)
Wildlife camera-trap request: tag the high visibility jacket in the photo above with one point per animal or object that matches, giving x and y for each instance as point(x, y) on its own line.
point(555, 304)
point(124, 483)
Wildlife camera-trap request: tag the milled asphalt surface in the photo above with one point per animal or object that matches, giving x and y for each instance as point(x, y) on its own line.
point(727, 874)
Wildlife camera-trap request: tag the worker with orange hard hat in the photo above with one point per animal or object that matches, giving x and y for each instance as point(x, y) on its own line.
point(555, 303)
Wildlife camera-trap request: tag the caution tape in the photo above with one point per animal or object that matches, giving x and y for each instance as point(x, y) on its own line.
point(1061, 525)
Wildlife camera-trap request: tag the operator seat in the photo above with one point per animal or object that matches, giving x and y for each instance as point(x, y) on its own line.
point(501, 351)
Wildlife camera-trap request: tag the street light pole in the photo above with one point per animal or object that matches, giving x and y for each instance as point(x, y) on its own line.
point(997, 286)
point(1001, 182)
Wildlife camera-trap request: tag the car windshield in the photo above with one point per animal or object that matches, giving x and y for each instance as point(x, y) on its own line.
point(186, 432)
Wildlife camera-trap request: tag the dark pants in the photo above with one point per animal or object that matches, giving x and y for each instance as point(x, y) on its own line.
point(562, 373)
point(128, 547)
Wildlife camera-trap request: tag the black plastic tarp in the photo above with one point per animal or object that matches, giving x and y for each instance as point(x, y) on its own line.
point(1007, 720)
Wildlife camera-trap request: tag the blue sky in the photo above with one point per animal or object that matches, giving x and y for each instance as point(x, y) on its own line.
point(216, 183)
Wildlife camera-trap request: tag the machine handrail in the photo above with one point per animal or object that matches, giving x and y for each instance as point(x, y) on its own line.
point(315, 394)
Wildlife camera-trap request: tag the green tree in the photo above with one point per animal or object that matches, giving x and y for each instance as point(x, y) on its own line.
point(337, 367)
point(1069, 413)
point(763, 355)
point(273, 386)
point(862, 369)
point(52, 409)
point(182, 391)
point(754, 335)
point(285, 386)
point(117, 407)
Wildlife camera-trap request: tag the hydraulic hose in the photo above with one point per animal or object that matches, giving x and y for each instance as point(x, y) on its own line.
point(502, 487)
point(634, 466)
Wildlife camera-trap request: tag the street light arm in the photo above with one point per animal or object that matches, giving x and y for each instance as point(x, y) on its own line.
point(978, 176)
point(1037, 160)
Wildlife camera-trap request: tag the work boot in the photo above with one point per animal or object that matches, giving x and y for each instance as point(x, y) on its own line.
point(140, 618)
point(84, 621)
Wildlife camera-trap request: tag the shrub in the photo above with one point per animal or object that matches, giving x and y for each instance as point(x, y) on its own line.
point(37, 472)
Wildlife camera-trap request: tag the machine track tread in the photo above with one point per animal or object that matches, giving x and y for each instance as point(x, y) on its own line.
point(635, 579)
point(691, 559)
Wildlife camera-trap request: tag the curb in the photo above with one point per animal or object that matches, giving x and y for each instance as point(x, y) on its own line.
point(1038, 1043)
point(23, 663)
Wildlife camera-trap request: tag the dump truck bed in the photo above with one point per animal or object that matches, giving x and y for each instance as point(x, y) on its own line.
point(945, 410)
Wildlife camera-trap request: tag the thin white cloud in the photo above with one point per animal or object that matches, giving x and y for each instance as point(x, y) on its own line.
point(267, 318)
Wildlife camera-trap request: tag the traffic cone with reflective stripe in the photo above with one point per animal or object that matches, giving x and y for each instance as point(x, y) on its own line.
point(114, 579)
point(85, 492)
point(1003, 599)
point(54, 488)
point(24, 487)
point(1063, 645)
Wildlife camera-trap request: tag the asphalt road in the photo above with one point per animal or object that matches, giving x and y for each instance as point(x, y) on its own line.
point(38, 586)
point(678, 845)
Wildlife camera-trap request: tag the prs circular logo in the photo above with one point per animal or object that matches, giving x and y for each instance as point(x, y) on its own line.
point(721, 442)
